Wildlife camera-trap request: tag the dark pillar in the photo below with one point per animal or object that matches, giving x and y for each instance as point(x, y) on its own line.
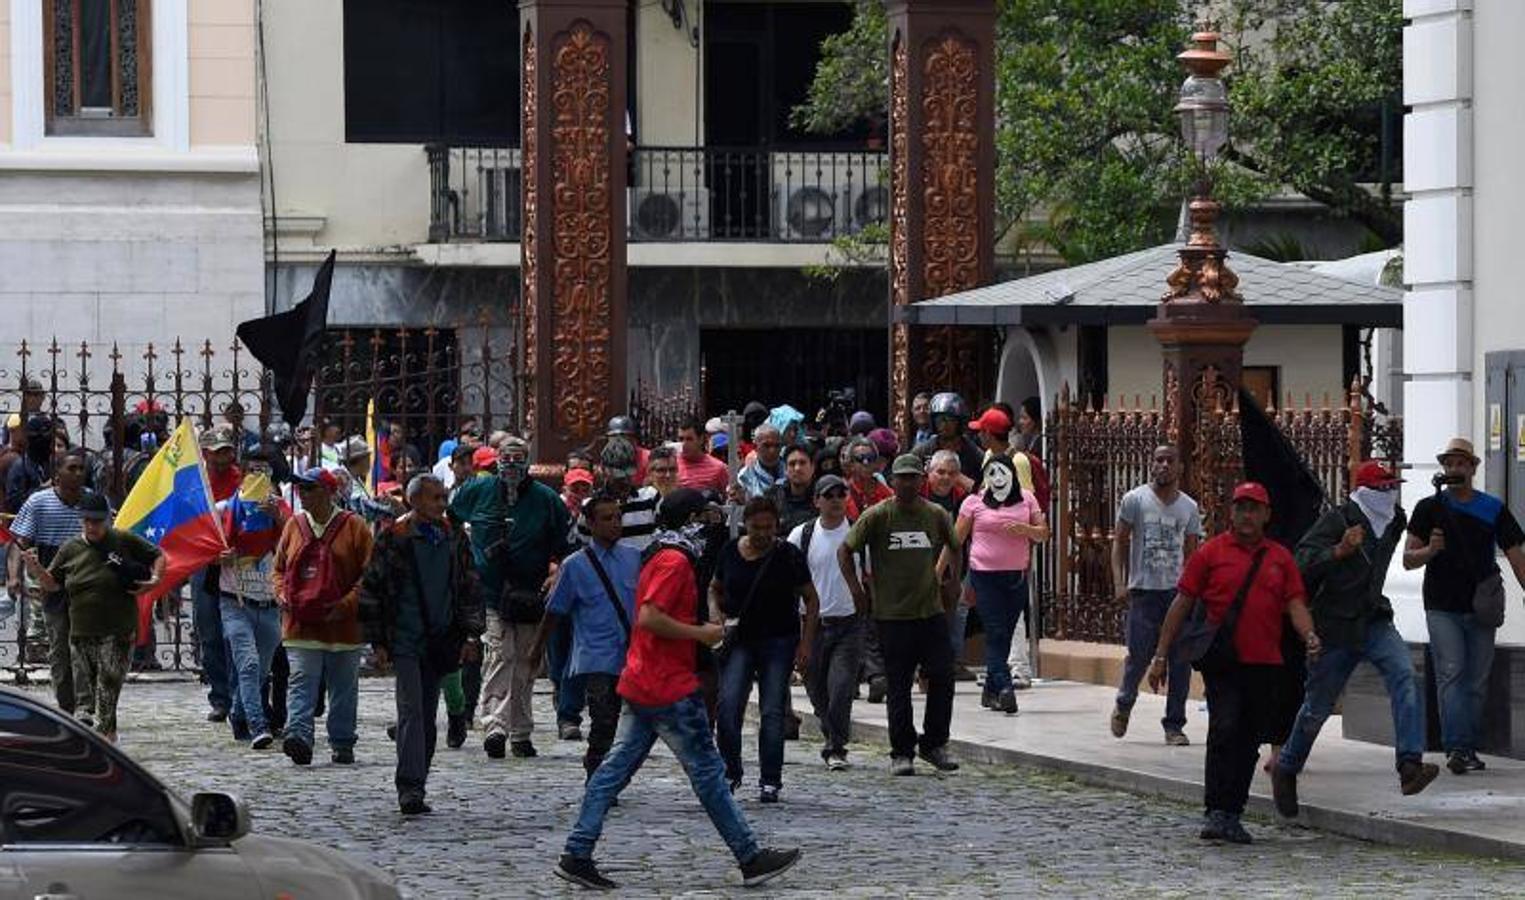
point(573, 267)
point(942, 184)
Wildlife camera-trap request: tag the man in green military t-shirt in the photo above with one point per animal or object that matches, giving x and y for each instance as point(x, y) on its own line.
point(905, 536)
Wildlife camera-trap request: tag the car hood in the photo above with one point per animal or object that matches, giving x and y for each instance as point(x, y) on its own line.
point(305, 869)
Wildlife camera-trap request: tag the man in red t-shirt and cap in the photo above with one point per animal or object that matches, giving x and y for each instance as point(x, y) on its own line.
point(1241, 693)
point(662, 700)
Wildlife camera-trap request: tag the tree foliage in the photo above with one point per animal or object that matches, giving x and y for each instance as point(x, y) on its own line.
point(1089, 162)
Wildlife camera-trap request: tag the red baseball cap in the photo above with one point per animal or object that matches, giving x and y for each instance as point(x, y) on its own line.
point(1373, 474)
point(484, 458)
point(1252, 490)
point(578, 476)
point(992, 420)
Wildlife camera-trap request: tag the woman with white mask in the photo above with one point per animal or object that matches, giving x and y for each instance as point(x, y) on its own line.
point(1000, 525)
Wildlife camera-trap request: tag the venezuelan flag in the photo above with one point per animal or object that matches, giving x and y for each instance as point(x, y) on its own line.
point(171, 507)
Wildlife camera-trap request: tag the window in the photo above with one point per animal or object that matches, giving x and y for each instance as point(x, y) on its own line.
point(418, 71)
point(97, 66)
point(62, 785)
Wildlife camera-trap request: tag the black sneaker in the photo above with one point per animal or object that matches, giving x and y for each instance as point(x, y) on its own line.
point(1212, 826)
point(1119, 720)
point(522, 750)
point(568, 731)
point(495, 745)
point(768, 793)
point(939, 758)
point(414, 806)
point(766, 865)
point(343, 756)
point(1008, 701)
point(1414, 776)
point(218, 714)
point(241, 732)
point(392, 732)
point(877, 688)
point(455, 732)
point(262, 740)
point(1475, 762)
point(582, 872)
point(1233, 830)
point(297, 751)
point(1456, 761)
point(988, 700)
point(1284, 790)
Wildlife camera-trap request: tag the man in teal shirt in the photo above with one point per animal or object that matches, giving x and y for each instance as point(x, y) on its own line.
point(519, 532)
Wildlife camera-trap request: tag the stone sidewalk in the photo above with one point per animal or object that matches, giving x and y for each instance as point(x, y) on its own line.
point(1349, 787)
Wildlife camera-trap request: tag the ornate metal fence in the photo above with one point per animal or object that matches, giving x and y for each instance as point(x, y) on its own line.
point(1096, 456)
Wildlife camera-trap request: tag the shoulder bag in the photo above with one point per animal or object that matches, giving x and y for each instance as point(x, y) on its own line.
point(733, 623)
point(609, 591)
point(1207, 646)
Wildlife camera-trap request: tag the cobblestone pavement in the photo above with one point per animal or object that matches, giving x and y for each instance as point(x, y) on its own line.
point(987, 831)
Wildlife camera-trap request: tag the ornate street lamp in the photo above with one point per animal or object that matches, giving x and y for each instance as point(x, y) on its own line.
point(1202, 276)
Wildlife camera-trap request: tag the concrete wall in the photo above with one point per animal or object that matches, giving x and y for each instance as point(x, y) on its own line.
point(669, 96)
point(1308, 355)
point(5, 72)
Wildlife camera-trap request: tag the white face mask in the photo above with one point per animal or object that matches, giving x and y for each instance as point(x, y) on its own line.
point(1378, 506)
point(998, 482)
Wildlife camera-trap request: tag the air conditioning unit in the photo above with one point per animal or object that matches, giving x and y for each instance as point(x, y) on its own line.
point(499, 180)
point(822, 196)
point(669, 214)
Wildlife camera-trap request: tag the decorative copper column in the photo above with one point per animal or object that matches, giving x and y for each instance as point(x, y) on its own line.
point(1202, 324)
point(573, 269)
point(942, 189)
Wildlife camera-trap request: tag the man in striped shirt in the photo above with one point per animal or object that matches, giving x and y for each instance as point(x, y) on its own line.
point(47, 520)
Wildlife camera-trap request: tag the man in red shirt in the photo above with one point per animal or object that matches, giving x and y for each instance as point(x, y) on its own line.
point(662, 700)
point(1241, 695)
point(696, 468)
point(219, 449)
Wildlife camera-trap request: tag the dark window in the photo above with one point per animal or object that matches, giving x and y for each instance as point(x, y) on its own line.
point(97, 65)
point(1092, 362)
point(60, 784)
point(741, 365)
point(417, 71)
point(1264, 384)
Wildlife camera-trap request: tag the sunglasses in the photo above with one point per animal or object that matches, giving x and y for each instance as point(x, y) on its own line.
point(866, 460)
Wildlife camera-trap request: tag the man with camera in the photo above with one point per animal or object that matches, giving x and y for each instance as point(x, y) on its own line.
point(1454, 536)
point(519, 530)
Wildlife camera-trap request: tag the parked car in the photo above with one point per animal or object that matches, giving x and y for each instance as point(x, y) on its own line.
point(80, 820)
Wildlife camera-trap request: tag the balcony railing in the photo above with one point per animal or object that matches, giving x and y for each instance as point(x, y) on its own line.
point(678, 194)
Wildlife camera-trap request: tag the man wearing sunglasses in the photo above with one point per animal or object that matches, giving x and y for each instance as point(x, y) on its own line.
point(1344, 559)
point(863, 488)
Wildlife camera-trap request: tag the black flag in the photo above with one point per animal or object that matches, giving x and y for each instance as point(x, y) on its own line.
point(1297, 499)
point(288, 344)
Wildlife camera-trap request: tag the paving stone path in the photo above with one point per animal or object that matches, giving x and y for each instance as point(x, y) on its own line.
point(498, 825)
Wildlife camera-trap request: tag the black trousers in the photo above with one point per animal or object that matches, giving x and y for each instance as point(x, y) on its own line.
point(273, 691)
point(603, 716)
point(833, 677)
point(1241, 715)
point(907, 645)
point(418, 694)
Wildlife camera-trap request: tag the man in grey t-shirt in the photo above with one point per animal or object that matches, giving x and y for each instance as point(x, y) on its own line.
point(1157, 528)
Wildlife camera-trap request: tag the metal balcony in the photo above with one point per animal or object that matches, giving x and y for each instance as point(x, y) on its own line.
point(678, 194)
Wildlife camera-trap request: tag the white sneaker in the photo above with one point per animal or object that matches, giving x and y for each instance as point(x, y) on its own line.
point(1021, 682)
point(836, 763)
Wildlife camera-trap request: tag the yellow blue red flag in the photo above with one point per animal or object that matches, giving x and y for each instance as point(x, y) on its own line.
point(171, 507)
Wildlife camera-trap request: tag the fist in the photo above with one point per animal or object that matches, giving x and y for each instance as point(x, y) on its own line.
point(712, 633)
point(1350, 541)
point(1437, 540)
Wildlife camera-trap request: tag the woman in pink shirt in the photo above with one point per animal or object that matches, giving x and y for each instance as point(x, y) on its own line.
point(1000, 525)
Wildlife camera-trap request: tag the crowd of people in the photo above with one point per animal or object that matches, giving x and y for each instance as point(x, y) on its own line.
point(660, 584)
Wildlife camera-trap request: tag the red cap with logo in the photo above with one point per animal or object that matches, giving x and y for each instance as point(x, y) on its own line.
point(1252, 490)
point(1372, 474)
point(484, 458)
point(992, 420)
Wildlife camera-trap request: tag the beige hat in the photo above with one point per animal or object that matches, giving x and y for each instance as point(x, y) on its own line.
point(1457, 447)
point(354, 448)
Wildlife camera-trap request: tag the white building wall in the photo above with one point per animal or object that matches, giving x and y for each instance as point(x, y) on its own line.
point(1309, 357)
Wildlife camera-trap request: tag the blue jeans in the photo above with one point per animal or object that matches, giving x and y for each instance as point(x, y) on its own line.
point(768, 661)
point(1386, 651)
point(685, 729)
point(1000, 597)
point(341, 670)
point(206, 618)
point(571, 697)
point(958, 630)
point(1462, 651)
point(1146, 613)
point(253, 634)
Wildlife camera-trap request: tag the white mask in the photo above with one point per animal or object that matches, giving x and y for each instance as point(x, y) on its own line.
point(998, 482)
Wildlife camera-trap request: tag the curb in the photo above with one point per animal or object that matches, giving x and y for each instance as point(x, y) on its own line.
point(1362, 826)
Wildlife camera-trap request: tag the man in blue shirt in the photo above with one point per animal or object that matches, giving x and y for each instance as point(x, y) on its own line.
point(595, 592)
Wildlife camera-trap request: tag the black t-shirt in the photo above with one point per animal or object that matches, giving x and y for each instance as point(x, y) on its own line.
point(1473, 530)
point(774, 611)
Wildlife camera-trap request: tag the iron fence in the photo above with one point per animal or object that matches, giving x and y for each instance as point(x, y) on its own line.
point(678, 194)
point(1097, 455)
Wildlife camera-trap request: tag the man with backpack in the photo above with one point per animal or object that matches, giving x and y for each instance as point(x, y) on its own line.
point(1344, 559)
point(595, 595)
point(832, 676)
point(663, 700)
point(420, 607)
point(318, 563)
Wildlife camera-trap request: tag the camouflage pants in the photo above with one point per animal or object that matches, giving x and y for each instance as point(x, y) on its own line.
point(100, 667)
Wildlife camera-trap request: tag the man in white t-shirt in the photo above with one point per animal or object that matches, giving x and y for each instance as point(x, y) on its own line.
point(832, 678)
point(1158, 527)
